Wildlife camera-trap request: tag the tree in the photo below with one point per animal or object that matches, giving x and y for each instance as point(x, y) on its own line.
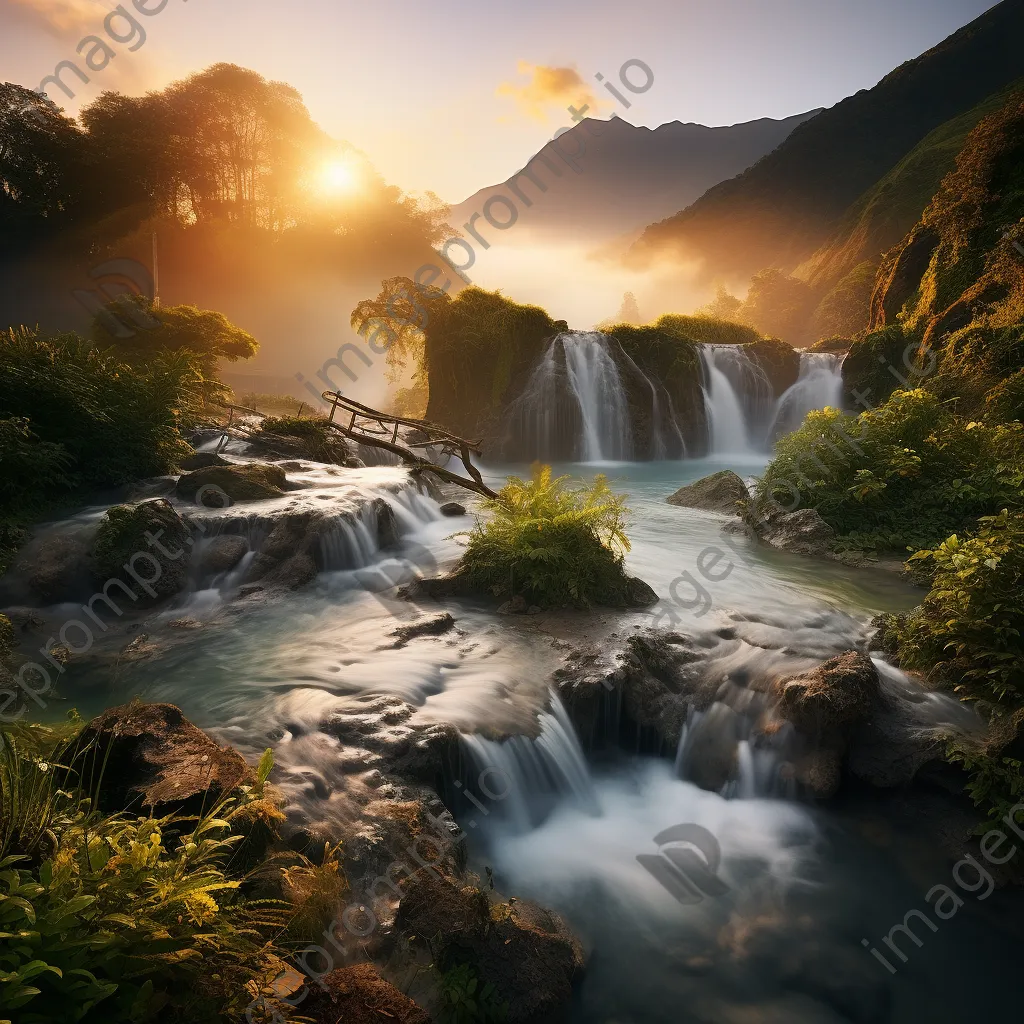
point(779, 306)
point(202, 336)
point(724, 306)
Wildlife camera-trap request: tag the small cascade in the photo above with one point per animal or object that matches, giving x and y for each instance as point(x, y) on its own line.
point(727, 421)
point(528, 776)
point(819, 385)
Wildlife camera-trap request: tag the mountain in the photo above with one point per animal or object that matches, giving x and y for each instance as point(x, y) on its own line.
point(778, 212)
point(627, 175)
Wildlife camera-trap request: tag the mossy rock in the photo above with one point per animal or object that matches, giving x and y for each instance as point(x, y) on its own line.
point(152, 540)
point(779, 360)
point(251, 481)
point(866, 369)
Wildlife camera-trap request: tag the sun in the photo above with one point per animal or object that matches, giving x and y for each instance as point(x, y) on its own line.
point(338, 177)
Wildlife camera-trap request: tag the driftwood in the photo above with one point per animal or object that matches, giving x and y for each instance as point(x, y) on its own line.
point(376, 429)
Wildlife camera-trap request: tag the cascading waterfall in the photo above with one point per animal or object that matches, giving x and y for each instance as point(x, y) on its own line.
point(594, 380)
point(727, 421)
point(819, 385)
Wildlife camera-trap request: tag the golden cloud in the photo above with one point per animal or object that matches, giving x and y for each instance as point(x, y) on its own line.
point(549, 87)
point(64, 16)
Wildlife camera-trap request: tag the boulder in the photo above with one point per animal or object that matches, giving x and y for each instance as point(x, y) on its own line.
point(251, 481)
point(150, 755)
point(716, 493)
point(223, 553)
point(526, 952)
point(359, 995)
point(291, 573)
point(153, 540)
point(831, 699)
point(453, 508)
point(803, 532)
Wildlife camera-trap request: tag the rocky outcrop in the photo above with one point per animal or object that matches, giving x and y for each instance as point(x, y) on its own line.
point(826, 705)
point(359, 995)
point(719, 492)
point(250, 481)
point(221, 554)
point(148, 546)
point(803, 532)
point(438, 625)
point(150, 756)
point(526, 952)
point(55, 568)
point(202, 460)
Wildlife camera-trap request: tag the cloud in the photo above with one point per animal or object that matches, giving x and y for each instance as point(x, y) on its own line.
point(550, 87)
point(63, 17)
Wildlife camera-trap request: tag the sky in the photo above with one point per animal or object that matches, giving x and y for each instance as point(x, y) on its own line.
point(453, 96)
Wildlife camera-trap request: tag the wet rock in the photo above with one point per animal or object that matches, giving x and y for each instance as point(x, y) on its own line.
point(248, 589)
point(639, 594)
point(718, 492)
point(251, 481)
point(152, 540)
point(389, 533)
point(710, 750)
point(803, 532)
point(202, 460)
point(828, 701)
point(222, 554)
point(291, 573)
point(514, 606)
point(153, 757)
point(638, 693)
point(819, 772)
point(436, 626)
point(359, 995)
point(453, 508)
point(55, 569)
point(526, 952)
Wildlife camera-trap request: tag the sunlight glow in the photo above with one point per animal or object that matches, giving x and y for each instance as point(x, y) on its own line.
point(338, 177)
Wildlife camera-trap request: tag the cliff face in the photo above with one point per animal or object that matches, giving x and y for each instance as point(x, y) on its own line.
point(782, 209)
point(955, 285)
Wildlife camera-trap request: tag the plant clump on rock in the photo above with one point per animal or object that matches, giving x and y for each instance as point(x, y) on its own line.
point(554, 545)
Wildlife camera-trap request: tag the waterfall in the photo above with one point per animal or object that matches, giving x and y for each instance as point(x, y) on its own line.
point(594, 380)
point(574, 406)
point(729, 373)
point(820, 384)
point(528, 776)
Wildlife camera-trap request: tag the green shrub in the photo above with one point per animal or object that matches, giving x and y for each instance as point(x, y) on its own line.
point(466, 1001)
point(706, 329)
point(550, 542)
point(119, 917)
point(7, 637)
point(904, 475)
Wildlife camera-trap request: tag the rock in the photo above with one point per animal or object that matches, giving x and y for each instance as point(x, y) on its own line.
point(657, 679)
point(828, 701)
point(639, 594)
point(803, 532)
point(436, 626)
point(453, 508)
point(186, 623)
point(55, 569)
point(223, 553)
point(389, 533)
point(513, 606)
point(152, 752)
point(153, 540)
point(248, 589)
point(526, 952)
point(251, 481)
point(359, 995)
point(710, 750)
point(716, 493)
point(292, 573)
point(203, 460)
point(819, 772)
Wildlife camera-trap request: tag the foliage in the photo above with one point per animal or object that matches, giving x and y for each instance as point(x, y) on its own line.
point(724, 306)
point(873, 362)
point(709, 330)
point(845, 308)
point(967, 631)
point(552, 543)
point(316, 891)
point(140, 333)
point(835, 343)
point(466, 1001)
point(30, 470)
point(118, 917)
point(7, 639)
point(779, 305)
point(904, 475)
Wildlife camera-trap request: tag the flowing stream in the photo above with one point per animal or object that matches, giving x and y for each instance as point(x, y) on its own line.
point(776, 935)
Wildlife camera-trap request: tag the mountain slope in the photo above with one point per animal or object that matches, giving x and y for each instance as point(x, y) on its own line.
point(784, 207)
point(628, 175)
